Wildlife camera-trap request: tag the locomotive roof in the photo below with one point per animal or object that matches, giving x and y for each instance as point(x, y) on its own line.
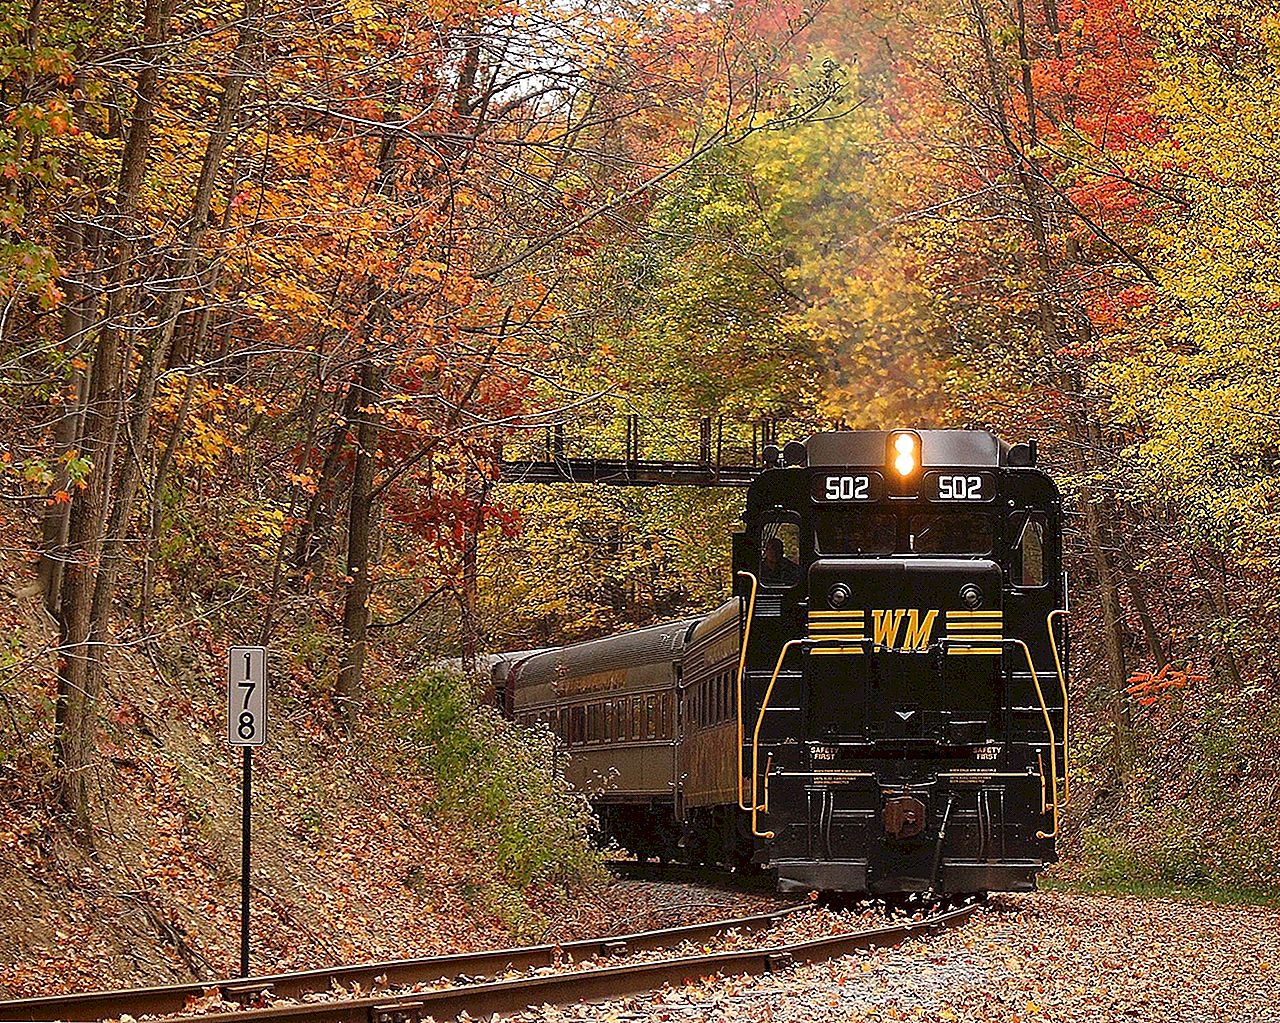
point(937, 448)
point(630, 649)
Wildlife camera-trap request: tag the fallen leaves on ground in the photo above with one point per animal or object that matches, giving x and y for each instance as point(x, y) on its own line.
point(1043, 958)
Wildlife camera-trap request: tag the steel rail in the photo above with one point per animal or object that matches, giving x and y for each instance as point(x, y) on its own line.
point(170, 999)
point(483, 1000)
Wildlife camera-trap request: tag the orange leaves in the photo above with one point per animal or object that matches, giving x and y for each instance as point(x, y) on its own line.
point(305, 481)
point(1146, 689)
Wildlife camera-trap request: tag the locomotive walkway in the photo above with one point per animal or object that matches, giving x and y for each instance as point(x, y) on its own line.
point(289, 993)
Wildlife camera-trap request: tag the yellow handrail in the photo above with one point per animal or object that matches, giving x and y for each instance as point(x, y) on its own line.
point(1044, 798)
point(1066, 717)
point(755, 739)
point(1053, 742)
point(1044, 709)
point(768, 766)
point(742, 665)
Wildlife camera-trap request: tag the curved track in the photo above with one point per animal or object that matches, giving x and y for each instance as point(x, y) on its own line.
point(173, 998)
point(488, 997)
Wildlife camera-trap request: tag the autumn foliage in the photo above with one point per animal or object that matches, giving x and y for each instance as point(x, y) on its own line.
point(281, 283)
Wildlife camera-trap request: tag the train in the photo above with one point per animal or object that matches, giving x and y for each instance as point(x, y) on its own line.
point(881, 705)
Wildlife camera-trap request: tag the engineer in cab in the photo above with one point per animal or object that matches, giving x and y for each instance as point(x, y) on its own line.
point(776, 569)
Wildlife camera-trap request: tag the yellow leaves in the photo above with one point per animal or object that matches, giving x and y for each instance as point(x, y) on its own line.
point(209, 431)
point(262, 527)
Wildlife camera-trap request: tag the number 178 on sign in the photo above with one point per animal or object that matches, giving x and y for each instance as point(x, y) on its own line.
point(247, 696)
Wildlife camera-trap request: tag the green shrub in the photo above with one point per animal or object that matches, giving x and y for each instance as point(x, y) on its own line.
point(1108, 860)
point(496, 781)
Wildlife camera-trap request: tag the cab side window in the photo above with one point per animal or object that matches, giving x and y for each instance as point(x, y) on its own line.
point(1027, 558)
point(780, 554)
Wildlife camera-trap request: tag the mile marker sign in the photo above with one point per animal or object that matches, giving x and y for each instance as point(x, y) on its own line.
point(247, 696)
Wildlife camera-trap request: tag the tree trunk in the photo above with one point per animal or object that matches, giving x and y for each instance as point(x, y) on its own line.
point(99, 519)
point(56, 519)
point(1143, 611)
point(156, 507)
point(155, 354)
point(78, 648)
point(74, 718)
point(1058, 305)
point(469, 602)
point(362, 514)
point(313, 535)
point(1112, 615)
point(362, 510)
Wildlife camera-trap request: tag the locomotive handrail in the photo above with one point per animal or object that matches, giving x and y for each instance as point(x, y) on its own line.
point(742, 665)
point(1035, 678)
point(755, 738)
point(768, 764)
point(1053, 742)
point(1044, 795)
point(1066, 719)
point(1048, 723)
point(755, 735)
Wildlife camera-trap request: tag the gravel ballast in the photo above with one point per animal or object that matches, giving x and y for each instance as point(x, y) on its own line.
point(1022, 959)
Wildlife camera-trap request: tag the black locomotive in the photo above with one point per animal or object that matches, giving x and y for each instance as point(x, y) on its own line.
point(881, 707)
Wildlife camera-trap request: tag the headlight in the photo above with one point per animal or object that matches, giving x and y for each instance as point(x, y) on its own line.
point(905, 448)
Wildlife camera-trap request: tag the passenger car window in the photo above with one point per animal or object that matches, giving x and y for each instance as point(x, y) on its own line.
point(951, 532)
point(850, 530)
point(780, 554)
point(1026, 560)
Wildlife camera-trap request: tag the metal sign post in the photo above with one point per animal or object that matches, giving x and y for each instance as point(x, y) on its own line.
point(246, 728)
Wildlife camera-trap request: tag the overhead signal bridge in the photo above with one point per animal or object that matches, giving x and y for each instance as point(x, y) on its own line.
point(709, 469)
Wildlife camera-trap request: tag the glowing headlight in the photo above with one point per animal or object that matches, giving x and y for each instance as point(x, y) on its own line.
point(904, 453)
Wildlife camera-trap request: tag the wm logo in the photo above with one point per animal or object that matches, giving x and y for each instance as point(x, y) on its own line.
point(886, 625)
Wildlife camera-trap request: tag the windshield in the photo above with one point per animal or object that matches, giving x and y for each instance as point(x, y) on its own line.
point(846, 530)
point(951, 532)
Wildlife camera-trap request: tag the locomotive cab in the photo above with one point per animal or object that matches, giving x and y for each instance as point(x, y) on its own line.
point(903, 669)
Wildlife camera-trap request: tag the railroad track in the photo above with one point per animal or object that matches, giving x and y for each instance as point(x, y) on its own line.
point(481, 998)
